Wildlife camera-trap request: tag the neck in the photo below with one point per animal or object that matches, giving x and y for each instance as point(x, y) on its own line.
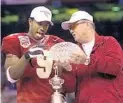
point(30, 35)
point(91, 37)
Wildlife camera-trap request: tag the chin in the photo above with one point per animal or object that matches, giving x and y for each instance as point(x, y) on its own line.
point(38, 38)
point(77, 40)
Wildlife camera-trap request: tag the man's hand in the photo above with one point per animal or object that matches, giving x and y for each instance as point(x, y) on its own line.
point(34, 52)
point(79, 58)
point(63, 65)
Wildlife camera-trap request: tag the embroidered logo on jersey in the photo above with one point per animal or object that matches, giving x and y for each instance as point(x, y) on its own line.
point(24, 41)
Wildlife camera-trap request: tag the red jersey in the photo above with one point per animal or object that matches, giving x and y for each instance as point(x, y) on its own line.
point(102, 80)
point(30, 88)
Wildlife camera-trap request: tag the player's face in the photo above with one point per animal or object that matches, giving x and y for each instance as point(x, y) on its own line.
point(38, 29)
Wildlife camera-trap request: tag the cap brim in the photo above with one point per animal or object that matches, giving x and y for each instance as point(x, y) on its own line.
point(38, 20)
point(65, 25)
point(51, 23)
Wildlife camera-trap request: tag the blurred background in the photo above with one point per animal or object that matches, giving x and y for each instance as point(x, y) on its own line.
point(108, 18)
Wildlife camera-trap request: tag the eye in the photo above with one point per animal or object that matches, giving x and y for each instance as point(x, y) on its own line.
point(72, 26)
point(43, 23)
point(47, 24)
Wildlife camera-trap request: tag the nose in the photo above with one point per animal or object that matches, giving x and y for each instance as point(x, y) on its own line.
point(72, 32)
point(43, 29)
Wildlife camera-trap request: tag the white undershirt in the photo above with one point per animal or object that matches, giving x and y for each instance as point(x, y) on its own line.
point(87, 47)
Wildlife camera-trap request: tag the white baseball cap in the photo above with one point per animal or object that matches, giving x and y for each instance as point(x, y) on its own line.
point(41, 13)
point(79, 15)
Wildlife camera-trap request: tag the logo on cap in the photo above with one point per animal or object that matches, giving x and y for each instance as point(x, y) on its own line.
point(47, 14)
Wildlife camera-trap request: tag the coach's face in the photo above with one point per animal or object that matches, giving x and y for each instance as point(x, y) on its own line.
point(38, 29)
point(80, 30)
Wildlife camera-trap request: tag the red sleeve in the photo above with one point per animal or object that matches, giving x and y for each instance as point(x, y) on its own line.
point(111, 62)
point(56, 39)
point(108, 59)
point(59, 39)
point(10, 45)
point(69, 81)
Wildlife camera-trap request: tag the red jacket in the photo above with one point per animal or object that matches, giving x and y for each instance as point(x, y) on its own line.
point(102, 80)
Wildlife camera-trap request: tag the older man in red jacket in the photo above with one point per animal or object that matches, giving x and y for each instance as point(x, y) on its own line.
point(99, 68)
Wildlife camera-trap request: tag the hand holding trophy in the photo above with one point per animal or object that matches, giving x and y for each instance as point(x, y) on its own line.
point(61, 52)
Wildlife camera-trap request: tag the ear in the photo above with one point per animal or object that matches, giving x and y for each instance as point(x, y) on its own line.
point(29, 21)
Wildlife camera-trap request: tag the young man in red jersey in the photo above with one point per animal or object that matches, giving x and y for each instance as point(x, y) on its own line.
point(30, 74)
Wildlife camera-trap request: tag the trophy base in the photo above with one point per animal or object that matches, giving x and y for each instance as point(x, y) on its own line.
point(58, 98)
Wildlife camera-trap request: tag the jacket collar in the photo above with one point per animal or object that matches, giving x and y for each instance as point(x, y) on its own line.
point(98, 41)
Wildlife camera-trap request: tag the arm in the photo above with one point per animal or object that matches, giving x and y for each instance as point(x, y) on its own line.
point(3, 76)
point(106, 59)
point(15, 65)
point(69, 85)
point(112, 60)
point(66, 72)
